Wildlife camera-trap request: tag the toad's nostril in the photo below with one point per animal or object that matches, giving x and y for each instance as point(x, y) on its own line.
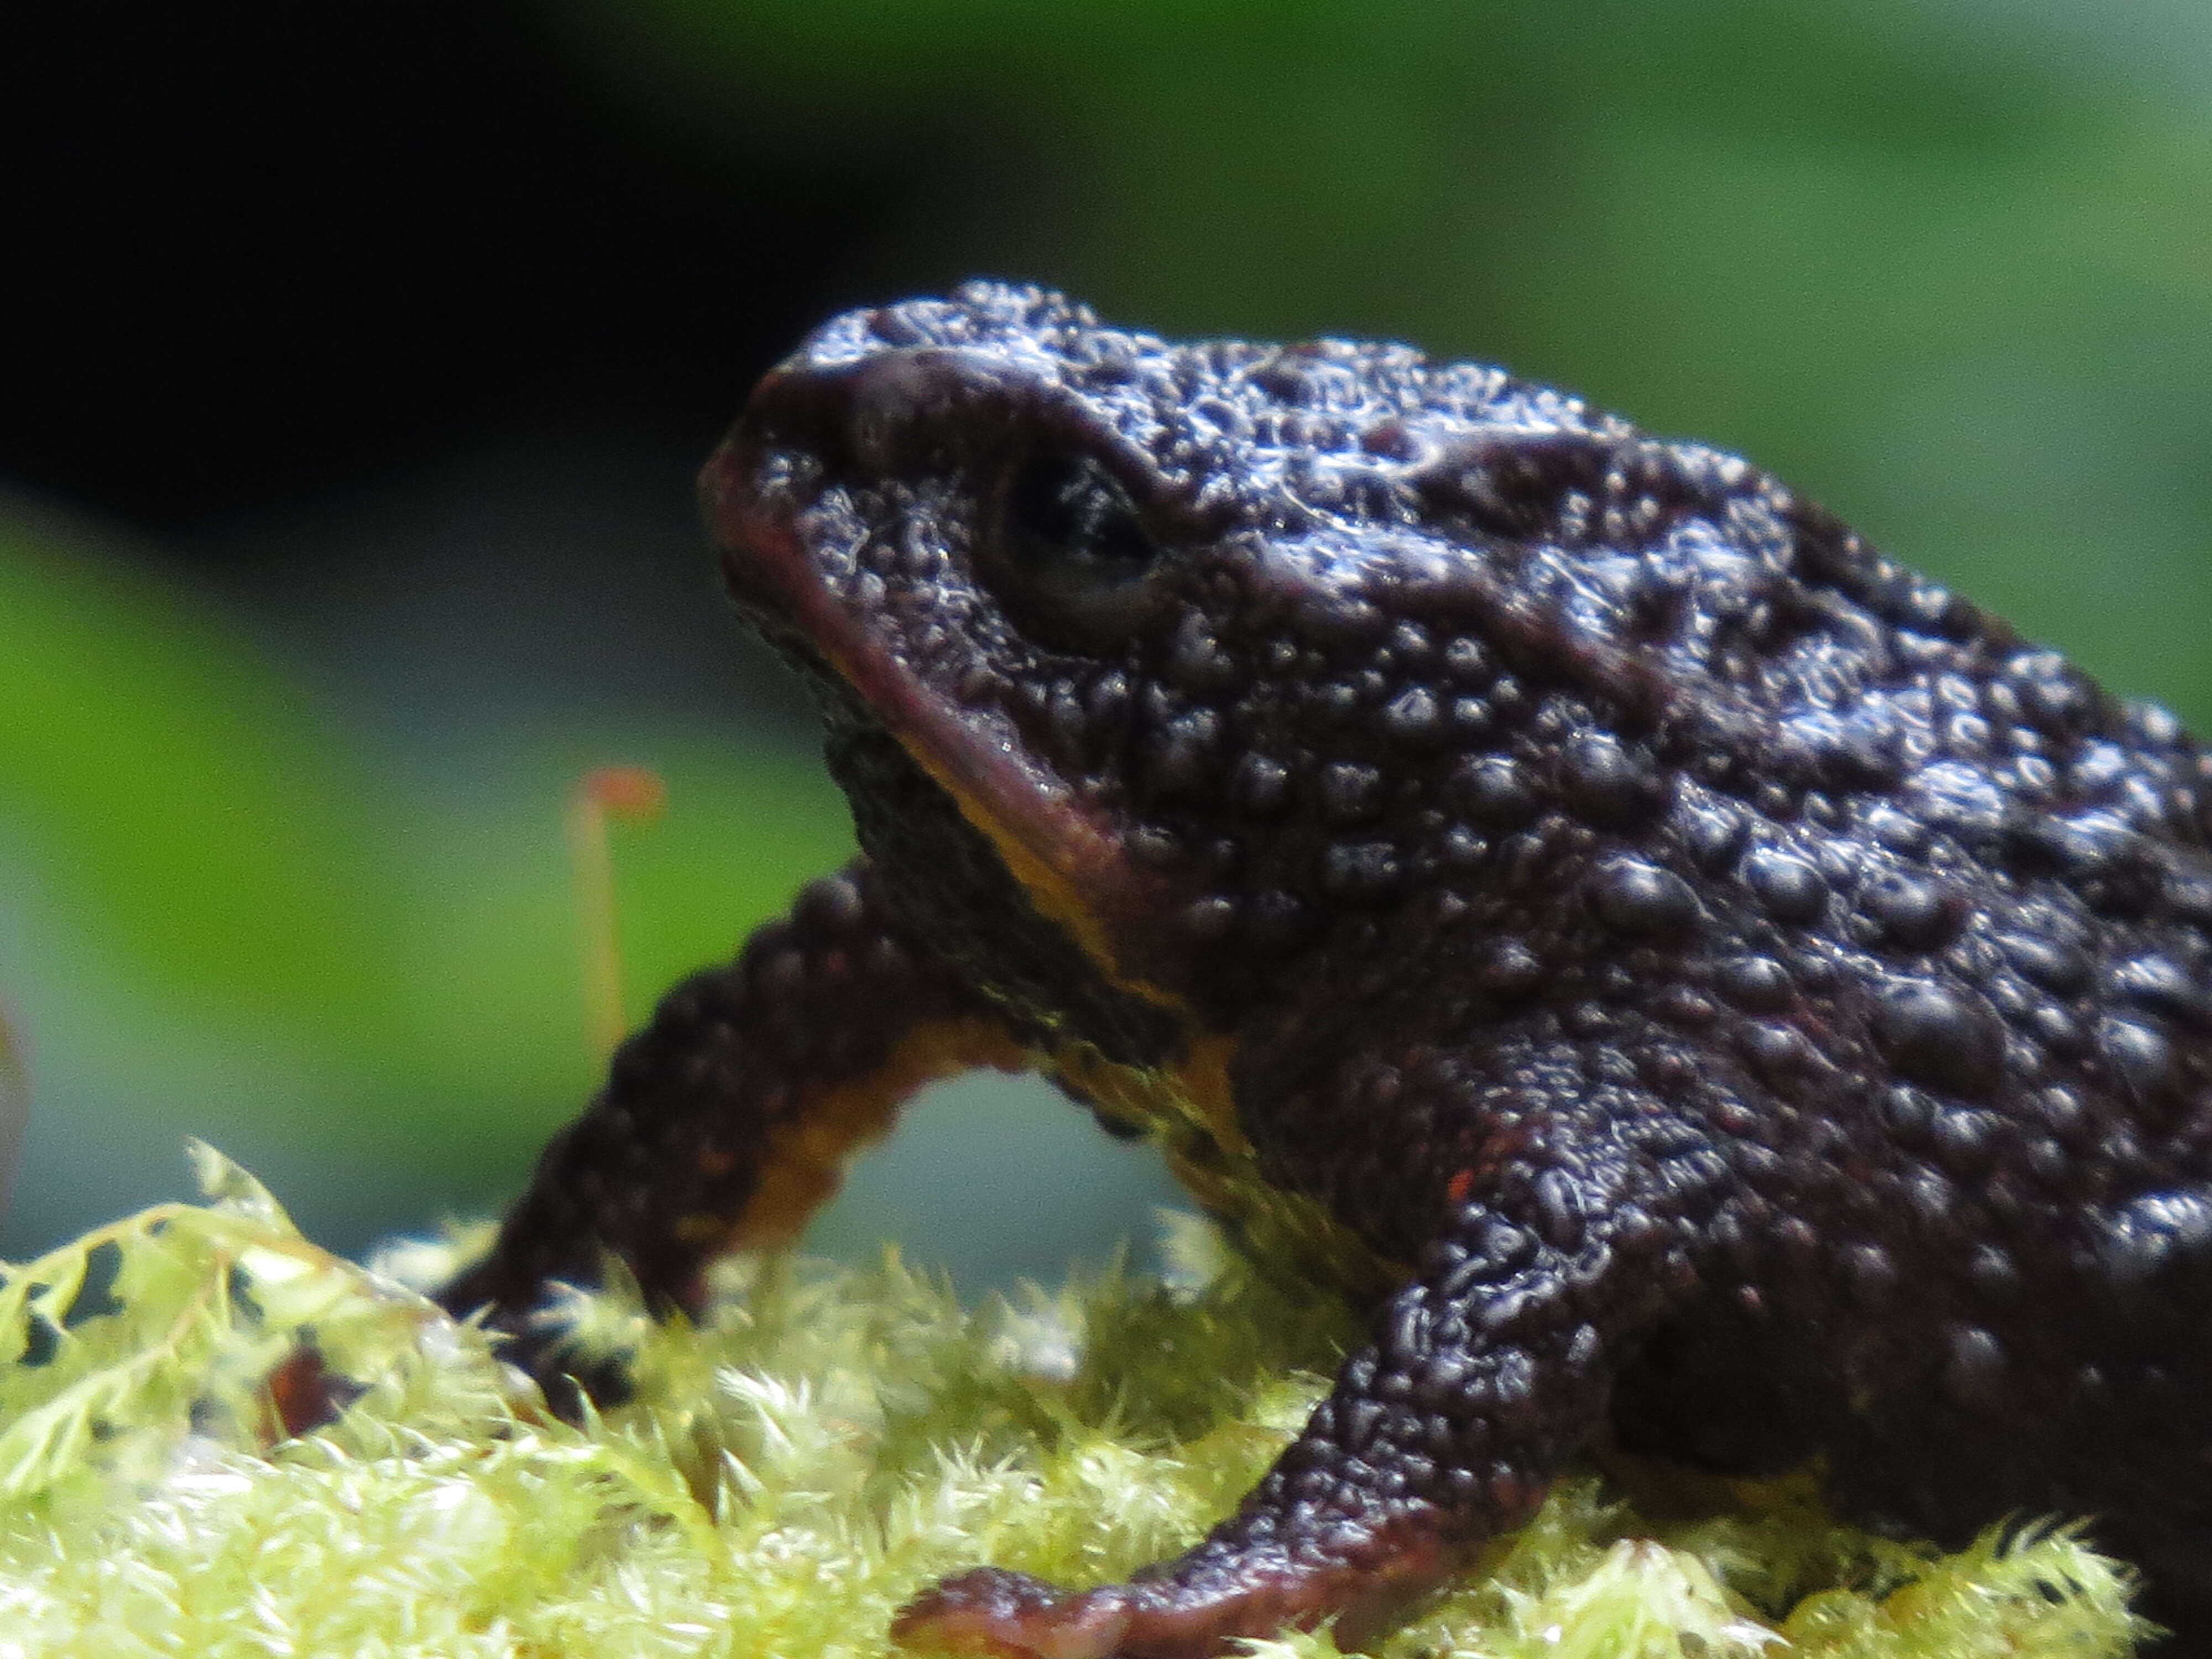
point(887, 414)
point(899, 410)
point(798, 408)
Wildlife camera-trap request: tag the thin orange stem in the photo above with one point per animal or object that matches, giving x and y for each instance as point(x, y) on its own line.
point(631, 794)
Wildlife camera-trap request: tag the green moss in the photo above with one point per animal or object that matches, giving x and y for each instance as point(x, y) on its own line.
point(790, 1474)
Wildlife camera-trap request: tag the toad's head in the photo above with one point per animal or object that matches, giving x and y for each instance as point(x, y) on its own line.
point(1169, 668)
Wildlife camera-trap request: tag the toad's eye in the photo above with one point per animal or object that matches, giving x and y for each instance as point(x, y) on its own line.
point(1073, 538)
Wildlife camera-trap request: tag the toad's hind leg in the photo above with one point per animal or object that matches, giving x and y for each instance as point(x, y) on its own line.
point(725, 1122)
point(1482, 1375)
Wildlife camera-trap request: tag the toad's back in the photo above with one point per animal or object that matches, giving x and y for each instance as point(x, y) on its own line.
point(1721, 988)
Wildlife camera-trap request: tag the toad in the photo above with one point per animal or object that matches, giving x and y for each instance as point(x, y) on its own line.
point(1710, 989)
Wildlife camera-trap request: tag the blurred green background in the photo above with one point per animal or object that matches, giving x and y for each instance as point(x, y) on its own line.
point(346, 513)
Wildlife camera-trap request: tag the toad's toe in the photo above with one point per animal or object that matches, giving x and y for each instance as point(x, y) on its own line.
point(993, 1612)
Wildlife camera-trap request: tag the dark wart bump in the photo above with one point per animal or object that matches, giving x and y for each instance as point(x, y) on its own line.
point(1633, 897)
point(2163, 985)
point(1209, 919)
point(1975, 1372)
point(1260, 784)
point(1389, 439)
point(1934, 1201)
point(1935, 1036)
point(1354, 869)
point(1603, 781)
point(2155, 1233)
point(2191, 896)
point(1668, 1070)
point(2140, 1057)
point(1559, 1207)
point(1716, 837)
point(1276, 918)
point(1511, 484)
point(1900, 832)
point(1872, 1275)
point(1413, 717)
point(1510, 968)
point(2065, 1036)
point(1492, 792)
point(2088, 845)
point(2047, 1161)
point(1789, 890)
point(1777, 1052)
point(1462, 849)
point(2063, 1109)
point(1179, 755)
point(1908, 1112)
point(1198, 665)
point(1913, 914)
point(1468, 662)
point(2050, 963)
point(1349, 791)
point(1758, 984)
point(1961, 1138)
point(1993, 1272)
point(1471, 717)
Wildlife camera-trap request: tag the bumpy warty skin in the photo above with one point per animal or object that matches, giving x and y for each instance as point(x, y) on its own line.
point(1715, 989)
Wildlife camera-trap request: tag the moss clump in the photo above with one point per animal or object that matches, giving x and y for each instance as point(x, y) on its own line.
point(788, 1475)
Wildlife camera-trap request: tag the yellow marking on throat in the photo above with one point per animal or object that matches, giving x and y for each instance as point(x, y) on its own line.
point(806, 1154)
point(1189, 1108)
point(1048, 887)
point(1187, 1105)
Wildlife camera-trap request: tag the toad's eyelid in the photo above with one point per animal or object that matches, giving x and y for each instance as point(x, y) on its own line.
point(973, 408)
point(938, 408)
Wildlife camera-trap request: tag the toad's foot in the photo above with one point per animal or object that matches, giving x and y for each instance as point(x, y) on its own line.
point(1196, 1609)
point(1485, 1370)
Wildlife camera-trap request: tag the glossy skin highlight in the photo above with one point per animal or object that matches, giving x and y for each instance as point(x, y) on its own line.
point(1712, 991)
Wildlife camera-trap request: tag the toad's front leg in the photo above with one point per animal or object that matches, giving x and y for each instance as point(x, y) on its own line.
point(725, 1123)
point(1486, 1372)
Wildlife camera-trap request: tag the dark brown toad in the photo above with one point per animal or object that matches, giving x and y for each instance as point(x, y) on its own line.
point(1708, 986)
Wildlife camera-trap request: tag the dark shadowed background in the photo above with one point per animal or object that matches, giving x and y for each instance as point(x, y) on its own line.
point(357, 357)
